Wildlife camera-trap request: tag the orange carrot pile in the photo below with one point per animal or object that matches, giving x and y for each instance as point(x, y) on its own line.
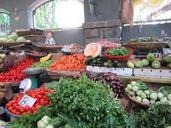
point(74, 62)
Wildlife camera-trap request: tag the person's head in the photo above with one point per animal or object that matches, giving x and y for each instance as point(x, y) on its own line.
point(48, 34)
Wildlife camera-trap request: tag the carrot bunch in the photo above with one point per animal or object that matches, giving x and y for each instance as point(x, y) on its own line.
point(74, 62)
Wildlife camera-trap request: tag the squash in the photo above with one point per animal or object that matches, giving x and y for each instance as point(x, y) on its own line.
point(93, 50)
point(46, 58)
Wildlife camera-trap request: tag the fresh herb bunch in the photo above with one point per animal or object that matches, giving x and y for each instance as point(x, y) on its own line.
point(120, 51)
point(158, 116)
point(89, 103)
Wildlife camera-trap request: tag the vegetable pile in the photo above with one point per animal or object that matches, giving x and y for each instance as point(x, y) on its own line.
point(150, 60)
point(158, 116)
point(101, 61)
point(120, 51)
point(15, 73)
point(80, 103)
point(74, 62)
point(109, 79)
point(41, 96)
point(13, 38)
point(71, 48)
point(141, 93)
point(107, 43)
point(45, 64)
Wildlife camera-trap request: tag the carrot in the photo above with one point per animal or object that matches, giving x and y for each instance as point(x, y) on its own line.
point(74, 62)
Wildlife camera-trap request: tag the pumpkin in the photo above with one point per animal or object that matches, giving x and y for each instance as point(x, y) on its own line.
point(93, 49)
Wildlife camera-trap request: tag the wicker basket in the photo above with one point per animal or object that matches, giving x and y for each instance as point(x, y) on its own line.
point(30, 32)
point(137, 103)
point(145, 45)
point(35, 38)
point(50, 47)
point(13, 44)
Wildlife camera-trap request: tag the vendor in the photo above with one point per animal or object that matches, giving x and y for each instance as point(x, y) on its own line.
point(49, 38)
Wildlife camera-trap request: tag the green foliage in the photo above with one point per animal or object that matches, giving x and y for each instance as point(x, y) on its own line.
point(45, 16)
point(157, 116)
point(4, 20)
point(80, 103)
point(89, 103)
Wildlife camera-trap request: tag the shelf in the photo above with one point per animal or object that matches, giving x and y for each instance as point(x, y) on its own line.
point(159, 80)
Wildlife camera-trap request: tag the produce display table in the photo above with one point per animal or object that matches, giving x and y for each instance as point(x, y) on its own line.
point(148, 79)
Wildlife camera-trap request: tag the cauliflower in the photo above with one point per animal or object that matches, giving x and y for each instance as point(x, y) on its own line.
point(153, 96)
point(169, 97)
point(131, 93)
point(133, 82)
point(126, 89)
point(163, 100)
point(135, 88)
point(143, 95)
point(152, 101)
point(147, 92)
point(146, 101)
point(49, 126)
point(160, 95)
point(129, 86)
point(138, 99)
point(139, 92)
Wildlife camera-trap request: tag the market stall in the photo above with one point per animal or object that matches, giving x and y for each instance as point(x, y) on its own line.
point(89, 76)
point(87, 86)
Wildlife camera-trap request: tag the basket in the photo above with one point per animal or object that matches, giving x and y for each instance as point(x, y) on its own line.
point(74, 52)
point(144, 45)
point(33, 71)
point(14, 44)
point(30, 32)
point(121, 58)
point(29, 53)
point(137, 103)
point(12, 115)
point(48, 47)
point(35, 38)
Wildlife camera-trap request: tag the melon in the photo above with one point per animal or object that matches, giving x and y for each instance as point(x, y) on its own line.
point(21, 39)
point(139, 64)
point(13, 36)
point(150, 57)
point(156, 64)
point(93, 50)
point(145, 62)
point(3, 39)
point(167, 59)
point(10, 41)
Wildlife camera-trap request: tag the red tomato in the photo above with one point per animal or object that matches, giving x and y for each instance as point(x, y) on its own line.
point(14, 111)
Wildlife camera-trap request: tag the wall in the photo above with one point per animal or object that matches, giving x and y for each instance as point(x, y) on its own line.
point(104, 10)
point(107, 12)
point(17, 8)
point(146, 31)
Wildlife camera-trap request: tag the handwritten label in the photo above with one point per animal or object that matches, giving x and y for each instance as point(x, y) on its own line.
point(27, 101)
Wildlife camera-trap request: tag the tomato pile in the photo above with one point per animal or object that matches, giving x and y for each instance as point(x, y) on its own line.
point(15, 73)
point(41, 96)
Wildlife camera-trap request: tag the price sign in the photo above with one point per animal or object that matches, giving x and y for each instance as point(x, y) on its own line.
point(27, 101)
point(25, 84)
